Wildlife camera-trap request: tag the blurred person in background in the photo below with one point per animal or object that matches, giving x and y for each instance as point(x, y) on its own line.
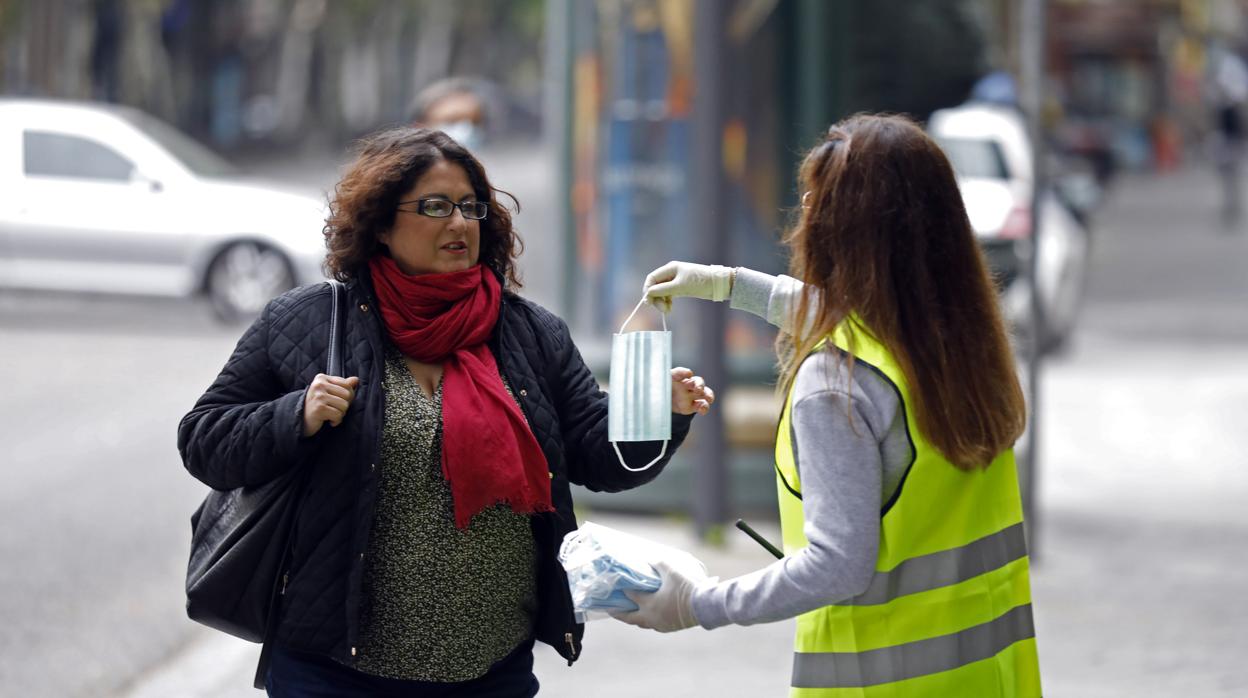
point(905, 564)
point(454, 106)
point(1228, 92)
point(424, 555)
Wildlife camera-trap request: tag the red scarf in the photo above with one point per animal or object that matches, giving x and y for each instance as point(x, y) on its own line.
point(489, 454)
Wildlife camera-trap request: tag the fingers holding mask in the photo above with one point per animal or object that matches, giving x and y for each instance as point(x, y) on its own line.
point(675, 279)
point(658, 282)
point(658, 287)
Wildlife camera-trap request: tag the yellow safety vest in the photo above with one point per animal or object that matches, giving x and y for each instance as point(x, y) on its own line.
point(949, 610)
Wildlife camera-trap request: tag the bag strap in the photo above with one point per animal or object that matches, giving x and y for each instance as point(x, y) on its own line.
point(333, 367)
point(333, 359)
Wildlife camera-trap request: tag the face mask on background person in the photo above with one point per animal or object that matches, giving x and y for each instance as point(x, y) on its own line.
point(464, 132)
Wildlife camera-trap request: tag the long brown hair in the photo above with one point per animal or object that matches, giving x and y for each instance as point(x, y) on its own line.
point(387, 165)
point(883, 236)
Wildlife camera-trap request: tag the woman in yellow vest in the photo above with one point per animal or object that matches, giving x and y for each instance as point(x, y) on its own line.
point(905, 562)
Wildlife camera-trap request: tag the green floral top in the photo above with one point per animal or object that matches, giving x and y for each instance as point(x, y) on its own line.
point(441, 604)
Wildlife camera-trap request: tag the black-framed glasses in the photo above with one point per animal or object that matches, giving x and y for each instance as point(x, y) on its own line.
point(441, 208)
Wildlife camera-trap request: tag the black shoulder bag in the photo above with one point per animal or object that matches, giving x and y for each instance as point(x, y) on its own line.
point(241, 540)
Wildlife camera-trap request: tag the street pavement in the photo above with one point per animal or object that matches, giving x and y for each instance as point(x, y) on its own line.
point(1139, 566)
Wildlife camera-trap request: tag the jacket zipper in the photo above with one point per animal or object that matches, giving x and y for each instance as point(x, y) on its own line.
point(568, 638)
point(285, 579)
point(371, 332)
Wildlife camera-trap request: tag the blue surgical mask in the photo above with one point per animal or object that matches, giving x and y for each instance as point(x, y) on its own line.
point(639, 404)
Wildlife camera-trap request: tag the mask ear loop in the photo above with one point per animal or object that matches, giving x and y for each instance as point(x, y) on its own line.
point(616, 446)
point(629, 319)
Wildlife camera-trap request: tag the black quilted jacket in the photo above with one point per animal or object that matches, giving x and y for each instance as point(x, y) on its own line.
point(247, 428)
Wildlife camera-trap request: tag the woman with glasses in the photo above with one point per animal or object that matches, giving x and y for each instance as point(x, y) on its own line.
point(424, 555)
point(904, 557)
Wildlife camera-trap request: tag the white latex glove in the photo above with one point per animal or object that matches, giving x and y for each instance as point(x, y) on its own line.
point(670, 608)
point(706, 281)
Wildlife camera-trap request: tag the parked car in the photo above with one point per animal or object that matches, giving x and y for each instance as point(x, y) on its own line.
point(990, 151)
point(103, 198)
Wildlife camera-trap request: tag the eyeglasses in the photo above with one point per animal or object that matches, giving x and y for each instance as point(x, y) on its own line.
point(441, 208)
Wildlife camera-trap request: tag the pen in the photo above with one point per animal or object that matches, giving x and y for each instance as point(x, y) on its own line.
point(759, 539)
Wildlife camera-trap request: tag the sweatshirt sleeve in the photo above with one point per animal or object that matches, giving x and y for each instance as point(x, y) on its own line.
point(769, 297)
point(841, 472)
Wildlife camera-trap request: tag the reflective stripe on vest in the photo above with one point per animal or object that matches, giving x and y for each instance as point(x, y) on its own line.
point(944, 568)
point(948, 611)
point(913, 659)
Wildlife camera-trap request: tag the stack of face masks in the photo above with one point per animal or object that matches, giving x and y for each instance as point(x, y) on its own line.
point(601, 563)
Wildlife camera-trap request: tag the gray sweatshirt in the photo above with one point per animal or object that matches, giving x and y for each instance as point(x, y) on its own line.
point(852, 450)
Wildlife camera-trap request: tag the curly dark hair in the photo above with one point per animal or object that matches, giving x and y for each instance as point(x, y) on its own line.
point(387, 165)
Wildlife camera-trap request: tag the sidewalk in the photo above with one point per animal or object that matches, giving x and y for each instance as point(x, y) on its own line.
point(1139, 586)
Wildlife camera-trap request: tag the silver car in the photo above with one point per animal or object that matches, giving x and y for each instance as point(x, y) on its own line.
point(101, 198)
point(989, 148)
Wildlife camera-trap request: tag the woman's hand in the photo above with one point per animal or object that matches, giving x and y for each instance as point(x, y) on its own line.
point(706, 281)
point(689, 393)
point(327, 400)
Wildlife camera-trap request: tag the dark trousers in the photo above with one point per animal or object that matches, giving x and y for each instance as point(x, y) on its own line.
point(302, 675)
